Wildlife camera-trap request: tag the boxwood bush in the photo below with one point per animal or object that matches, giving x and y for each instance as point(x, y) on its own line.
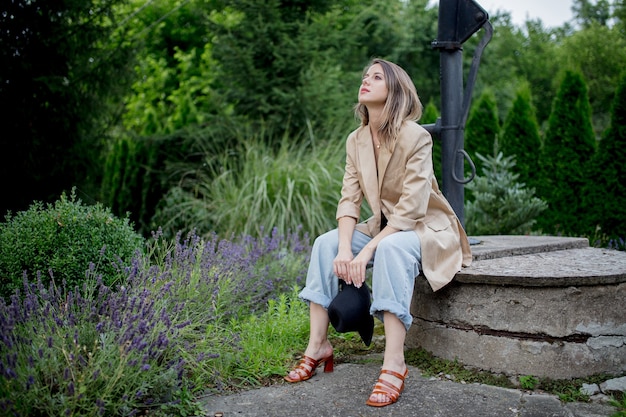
point(63, 241)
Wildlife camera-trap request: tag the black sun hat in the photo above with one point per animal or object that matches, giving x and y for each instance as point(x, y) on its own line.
point(350, 312)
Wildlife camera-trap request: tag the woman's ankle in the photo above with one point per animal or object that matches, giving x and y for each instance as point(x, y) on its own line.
point(319, 350)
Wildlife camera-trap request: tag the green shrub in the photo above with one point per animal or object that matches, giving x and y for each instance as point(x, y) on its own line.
point(61, 241)
point(500, 204)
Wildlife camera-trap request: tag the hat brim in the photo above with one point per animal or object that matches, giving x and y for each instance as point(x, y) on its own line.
point(349, 312)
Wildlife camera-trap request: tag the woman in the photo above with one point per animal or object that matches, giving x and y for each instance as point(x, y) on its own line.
point(389, 162)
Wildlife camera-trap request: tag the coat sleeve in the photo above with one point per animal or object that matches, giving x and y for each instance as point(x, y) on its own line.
point(351, 193)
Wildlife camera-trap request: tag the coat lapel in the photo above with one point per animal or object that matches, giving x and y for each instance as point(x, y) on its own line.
point(384, 156)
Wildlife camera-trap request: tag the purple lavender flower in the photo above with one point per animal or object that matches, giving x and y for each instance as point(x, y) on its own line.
point(148, 312)
point(100, 403)
point(30, 382)
point(10, 373)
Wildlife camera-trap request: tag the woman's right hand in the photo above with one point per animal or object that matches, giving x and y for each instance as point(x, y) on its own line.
point(341, 265)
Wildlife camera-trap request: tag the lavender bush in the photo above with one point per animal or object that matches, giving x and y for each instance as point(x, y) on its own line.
point(149, 344)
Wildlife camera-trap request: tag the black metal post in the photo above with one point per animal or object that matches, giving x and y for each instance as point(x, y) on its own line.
point(452, 135)
point(458, 20)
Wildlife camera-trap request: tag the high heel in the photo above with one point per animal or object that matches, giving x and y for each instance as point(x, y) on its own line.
point(307, 366)
point(386, 388)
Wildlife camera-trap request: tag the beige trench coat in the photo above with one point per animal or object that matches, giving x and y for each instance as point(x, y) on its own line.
point(405, 189)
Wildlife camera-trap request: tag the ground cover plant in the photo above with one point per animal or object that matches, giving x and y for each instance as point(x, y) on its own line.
point(191, 316)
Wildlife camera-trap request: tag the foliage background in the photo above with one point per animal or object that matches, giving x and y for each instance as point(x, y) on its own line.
point(227, 118)
point(152, 108)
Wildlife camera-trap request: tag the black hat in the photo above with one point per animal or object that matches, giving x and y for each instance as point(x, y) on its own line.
point(350, 312)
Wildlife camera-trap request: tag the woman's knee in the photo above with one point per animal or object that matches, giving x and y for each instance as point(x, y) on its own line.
point(329, 238)
point(390, 243)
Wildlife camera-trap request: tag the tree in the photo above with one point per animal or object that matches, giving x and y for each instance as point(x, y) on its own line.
point(520, 138)
point(261, 59)
point(290, 69)
point(416, 27)
point(568, 146)
point(605, 189)
point(63, 69)
point(587, 14)
point(482, 126)
point(520, 54)
point(619, 13)
point(538, 62)
point(599, 54)
point(501, 204)
point(175, 82)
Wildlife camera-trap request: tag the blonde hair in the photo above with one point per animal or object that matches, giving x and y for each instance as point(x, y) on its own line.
point(402, 102)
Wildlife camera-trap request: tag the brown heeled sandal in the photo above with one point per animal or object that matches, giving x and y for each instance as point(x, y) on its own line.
point(387, 388)
point(306, 368)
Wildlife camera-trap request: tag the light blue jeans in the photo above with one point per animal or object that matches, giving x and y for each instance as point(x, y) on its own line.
point(396, 263)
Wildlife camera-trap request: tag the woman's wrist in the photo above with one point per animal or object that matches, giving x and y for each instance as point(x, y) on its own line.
point(369, 247)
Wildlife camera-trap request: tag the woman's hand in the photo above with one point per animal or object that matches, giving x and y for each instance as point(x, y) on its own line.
point(358, 266)
point(341, 264)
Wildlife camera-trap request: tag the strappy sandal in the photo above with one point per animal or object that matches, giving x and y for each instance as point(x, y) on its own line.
point(306, 368)
point(386, 388)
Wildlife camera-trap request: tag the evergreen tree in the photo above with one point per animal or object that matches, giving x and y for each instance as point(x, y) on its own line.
point(502, 205)
point(482, 127)
point(520, 138)
point(605, 190)
point(481, 131)
point(568, 146)
point(599, 54)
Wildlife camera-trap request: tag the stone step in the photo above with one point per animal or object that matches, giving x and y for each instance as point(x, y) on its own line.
point(529, 305)
point(499, 246)
point(541, 261)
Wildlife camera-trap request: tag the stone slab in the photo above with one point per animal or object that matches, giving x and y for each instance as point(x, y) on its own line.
point(343, 394)
point(498, 246)
point(572, 267)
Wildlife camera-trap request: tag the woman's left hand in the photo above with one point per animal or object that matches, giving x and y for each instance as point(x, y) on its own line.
point(358, 266)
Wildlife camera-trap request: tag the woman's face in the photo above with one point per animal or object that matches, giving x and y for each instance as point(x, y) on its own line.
point(373, 89)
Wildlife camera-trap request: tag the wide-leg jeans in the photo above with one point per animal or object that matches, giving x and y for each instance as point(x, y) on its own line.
point(396, 263)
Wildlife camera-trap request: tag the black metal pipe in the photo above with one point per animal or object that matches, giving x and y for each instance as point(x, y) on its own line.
point(451, 135)
point(458, 20)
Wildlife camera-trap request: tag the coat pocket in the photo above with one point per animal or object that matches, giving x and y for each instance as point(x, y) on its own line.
point(438, 223)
